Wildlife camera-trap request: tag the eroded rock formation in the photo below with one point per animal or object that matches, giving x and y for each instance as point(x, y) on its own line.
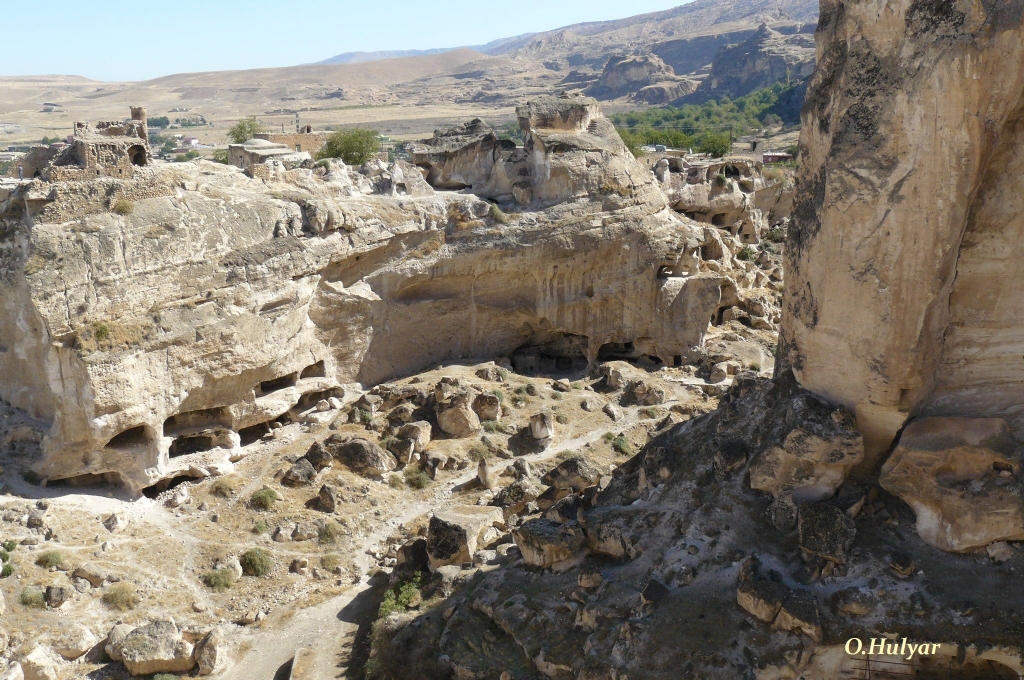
point(158, 322)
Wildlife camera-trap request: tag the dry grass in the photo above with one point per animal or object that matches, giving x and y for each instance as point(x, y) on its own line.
point(121, 596)
point(122, 207)
point(50, 559)
point(256, 562)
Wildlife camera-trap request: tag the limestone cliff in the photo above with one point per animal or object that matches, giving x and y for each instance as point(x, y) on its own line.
point(904, 293)
point(215, 303)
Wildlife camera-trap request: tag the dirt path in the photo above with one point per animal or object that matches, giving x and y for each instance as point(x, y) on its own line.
point(329, 629)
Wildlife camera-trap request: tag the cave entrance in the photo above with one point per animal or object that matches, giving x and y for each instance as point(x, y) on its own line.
point(277, 384)
point(165, 484)
point(137, 155)
point(189, 444)
point(131, 438)
point(617, 351)
point(563, 353)
point(719, 220)
point(317, 370)
point(731, 171)
point(252, 434)
point(197, 420)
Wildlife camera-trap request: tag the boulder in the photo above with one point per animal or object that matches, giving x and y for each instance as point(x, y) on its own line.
point(73, 641)
point(825, 531)
point(302, 473)
point(116, 522)
point(612, 412)
point(453, 533)
point(799, 614)
point(12, 672)
point(487, 407)
point(360, 455)
point(327, 499)
point(807, 466)
point(419, 432)
point(574, 473)
point(319, 457)
point(759, 596)
point(115, 640)
point(640, 393)
point(156, 648)
point(211, 652)
point(514, 498)
point(39, 664)
point(457, 417)
point(485, 475)
point(550, 496)
point(58, 595)
point(489, 373)
point(549, 544)
point(961, 477)
point(542, 426)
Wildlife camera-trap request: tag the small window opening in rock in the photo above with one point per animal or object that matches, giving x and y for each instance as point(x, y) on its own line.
point(664, 271)
point(165, 484)
point(611, 351)
point(1002, 466)
point(745, 320)
point(134, 436)
point(718, 220)
point(677, 360)
point(316, 370)
point(310, 399)
point(655, 360)
point(137, 155)
point(185, 445)
point(268, 386)
point(719, 317)
point(732, 171)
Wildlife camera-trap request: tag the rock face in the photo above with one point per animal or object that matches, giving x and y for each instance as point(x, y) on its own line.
point(359, 455)
point(924, 259)
point(765, 58)
point(162, 340)
point(962, 478)
point(646, 77)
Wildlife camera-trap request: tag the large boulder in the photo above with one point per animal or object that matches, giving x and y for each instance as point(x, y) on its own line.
point(454, 533)
point(211, 652)
point(825, 531)
point(115, 640)
point(157, 648)
point(302, 473)
point(808, 466)
point(359, 455)
point(542, 426)
point(418, 432)
point(456, 416)
point(514, 498)
point(73, 640)
point(487, 407)
point(39, 664)
point(548, 544)
point(961, 477)
point(574, 473)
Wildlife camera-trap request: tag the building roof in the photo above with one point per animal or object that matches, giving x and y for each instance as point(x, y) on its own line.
point(261, 143)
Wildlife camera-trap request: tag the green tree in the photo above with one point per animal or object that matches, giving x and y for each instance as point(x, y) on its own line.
point(353, 146)
point(244, 130)
point(161, 122)
point(715, 144)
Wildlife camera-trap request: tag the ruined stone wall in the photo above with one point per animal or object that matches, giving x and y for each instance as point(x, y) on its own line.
point(310, 142)
point(901, 277)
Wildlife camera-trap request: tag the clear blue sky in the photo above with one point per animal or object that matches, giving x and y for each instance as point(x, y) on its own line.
point(136, 41)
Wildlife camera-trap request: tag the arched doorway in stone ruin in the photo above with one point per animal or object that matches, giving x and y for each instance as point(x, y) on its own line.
point(137, 155)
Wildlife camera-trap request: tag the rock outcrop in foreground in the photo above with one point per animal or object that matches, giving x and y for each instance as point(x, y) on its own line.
point(155, 324)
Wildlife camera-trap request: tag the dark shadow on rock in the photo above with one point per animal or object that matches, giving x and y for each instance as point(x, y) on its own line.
point(522, 443)
point(362, 611)
point(285, 671)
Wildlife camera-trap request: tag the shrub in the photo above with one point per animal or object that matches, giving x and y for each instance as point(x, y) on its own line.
point(363, 416)
point(9, 545)
point(260, 527)
point(353, 146)
point(619, 443)
point(220, 156)
point(503, 373)
point(219, 579)
point(5, 556)
point(498, 215)
point(395, 482)
point(499, 394)
point(223, 487)
point(416, 478)
point(478, 453)
point(50, 559)
point(561, 418)
point(101, 332)
point(329, 533)
point(492, 426)
point(754, 367)
point(398, 598)
point(330, 562)
point(747, 253)
point(649, 412)
point(714, 144)
point(777, 234)
point(33, 597)
point(121, 596)
point(256, 562)
point(774, 174)
point(123, 207)
point(557, 396)
point(721, 180)
point(263, 499)
point(521, 390)
point(7, 570)
point(166, 676)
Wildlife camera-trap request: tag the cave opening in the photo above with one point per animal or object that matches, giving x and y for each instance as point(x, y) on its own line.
point(165, 484)
point(317, 370)
point(563, 353)
point(254, 433)
point(277, 384)
point(132, 437)
point(613, 351)
point(189, 444)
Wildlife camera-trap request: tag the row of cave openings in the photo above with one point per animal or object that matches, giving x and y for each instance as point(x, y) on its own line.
point(207, 429)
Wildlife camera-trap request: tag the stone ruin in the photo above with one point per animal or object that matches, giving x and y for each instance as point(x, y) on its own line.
point(110, 149)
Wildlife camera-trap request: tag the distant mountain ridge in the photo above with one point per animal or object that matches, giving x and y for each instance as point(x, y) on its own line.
point(360, 57)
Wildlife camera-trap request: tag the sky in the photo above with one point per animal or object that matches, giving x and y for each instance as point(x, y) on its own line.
point(139, 41)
